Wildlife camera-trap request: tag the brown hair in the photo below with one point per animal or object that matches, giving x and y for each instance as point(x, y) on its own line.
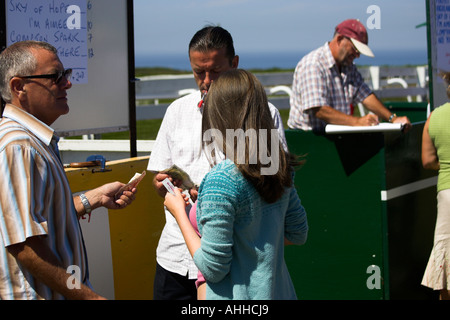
point(237, 101)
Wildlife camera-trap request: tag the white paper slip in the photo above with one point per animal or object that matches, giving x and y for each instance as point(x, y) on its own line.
point(381, 127)
point(169, 186)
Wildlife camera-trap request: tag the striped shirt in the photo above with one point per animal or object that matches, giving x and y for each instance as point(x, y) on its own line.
point(317, 82)
point(35, 200)
point(179, 142)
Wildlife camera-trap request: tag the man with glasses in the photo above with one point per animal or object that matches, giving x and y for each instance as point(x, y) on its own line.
point(327, 85)
point(57, 77)
point(40, 236)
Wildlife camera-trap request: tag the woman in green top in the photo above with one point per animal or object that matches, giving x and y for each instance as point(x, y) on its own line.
point(436, 156)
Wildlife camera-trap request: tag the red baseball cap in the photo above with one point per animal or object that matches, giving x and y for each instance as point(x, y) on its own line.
point(357, 33)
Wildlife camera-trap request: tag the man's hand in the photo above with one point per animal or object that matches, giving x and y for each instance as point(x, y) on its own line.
point(106, 196)
point(159, 186)
point(405, 121)
point(368, 120)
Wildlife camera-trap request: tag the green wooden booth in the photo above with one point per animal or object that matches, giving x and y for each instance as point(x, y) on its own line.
point(371, 210)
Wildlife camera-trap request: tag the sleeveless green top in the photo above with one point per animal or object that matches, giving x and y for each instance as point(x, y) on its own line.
point(439, 130)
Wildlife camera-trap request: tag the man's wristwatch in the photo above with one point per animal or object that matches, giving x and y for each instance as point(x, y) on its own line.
point(86, 204)
point(391, 118)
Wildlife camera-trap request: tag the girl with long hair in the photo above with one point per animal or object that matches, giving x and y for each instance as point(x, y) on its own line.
point(247, 208)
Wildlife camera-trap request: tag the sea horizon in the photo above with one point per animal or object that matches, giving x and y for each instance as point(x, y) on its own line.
point(283, 60)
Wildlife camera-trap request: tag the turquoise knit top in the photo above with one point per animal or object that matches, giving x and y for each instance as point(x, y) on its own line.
point(439, 130)
point(242, 245)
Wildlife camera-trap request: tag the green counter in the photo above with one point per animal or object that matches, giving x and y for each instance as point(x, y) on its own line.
point(371, 211)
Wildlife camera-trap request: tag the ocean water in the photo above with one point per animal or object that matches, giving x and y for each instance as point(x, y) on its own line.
point(283, 60)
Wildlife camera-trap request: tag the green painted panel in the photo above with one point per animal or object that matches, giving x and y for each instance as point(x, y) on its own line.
point(340, 188)
point(351, 227)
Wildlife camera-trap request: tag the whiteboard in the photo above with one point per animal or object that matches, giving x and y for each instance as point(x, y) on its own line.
point(439, 48)
point(95, 46)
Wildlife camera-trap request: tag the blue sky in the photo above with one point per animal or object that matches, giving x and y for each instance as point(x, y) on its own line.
point(166, 26)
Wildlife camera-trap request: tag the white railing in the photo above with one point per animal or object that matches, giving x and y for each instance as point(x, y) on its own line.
point(410, 83)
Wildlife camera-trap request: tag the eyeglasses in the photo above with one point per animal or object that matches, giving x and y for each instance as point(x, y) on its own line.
point(56, 76)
